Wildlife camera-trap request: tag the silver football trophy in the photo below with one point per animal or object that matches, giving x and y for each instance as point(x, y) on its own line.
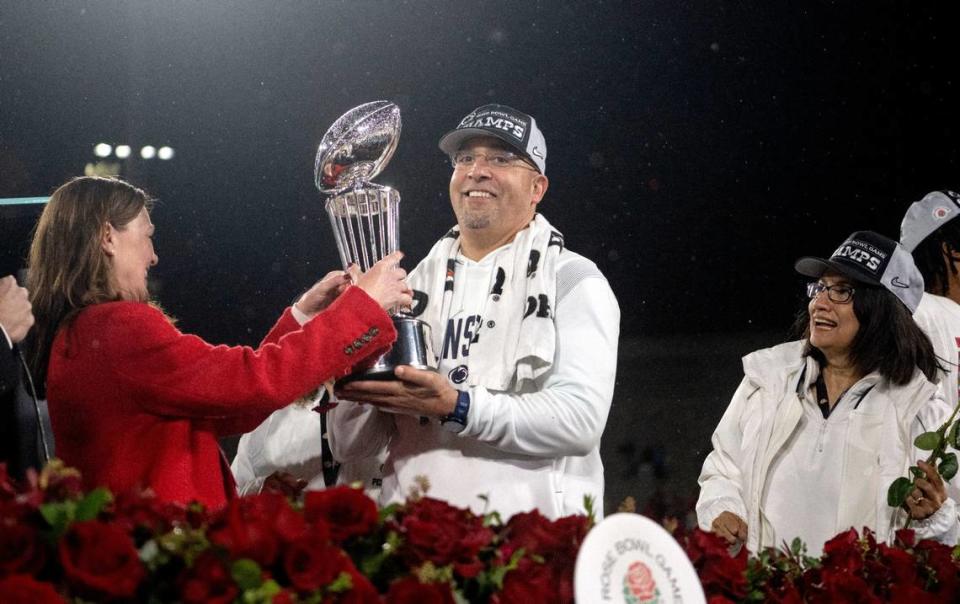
point(365, 216)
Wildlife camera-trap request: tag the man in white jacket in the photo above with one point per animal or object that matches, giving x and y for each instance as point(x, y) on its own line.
point(526, 332)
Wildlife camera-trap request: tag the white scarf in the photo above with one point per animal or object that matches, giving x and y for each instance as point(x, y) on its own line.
point(520, 305)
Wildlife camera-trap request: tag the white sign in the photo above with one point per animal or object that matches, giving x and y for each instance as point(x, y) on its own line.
point(630, 559)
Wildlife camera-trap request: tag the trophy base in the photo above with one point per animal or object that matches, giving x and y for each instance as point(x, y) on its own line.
point(411, 348)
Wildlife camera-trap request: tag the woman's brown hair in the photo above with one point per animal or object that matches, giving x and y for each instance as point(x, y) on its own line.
point(68, 268)
point(889, 341)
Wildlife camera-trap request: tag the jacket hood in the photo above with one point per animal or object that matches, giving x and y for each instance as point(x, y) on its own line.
point(774, 368)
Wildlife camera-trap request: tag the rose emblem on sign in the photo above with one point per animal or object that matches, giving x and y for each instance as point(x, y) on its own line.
point(639, 586)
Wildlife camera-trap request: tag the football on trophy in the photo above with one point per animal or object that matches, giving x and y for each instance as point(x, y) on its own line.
point(357, 146)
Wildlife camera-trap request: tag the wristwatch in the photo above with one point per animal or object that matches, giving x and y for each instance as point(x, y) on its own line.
point(457, 421)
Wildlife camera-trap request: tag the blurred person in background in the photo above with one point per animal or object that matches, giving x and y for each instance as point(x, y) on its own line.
point(931, 234)
point(21, 443)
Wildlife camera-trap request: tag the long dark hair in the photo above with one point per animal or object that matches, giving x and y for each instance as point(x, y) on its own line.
point(930, 257)
point(68, 269)
point(889, 340)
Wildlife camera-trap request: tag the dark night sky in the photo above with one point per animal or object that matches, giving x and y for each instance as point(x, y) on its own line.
point(695, 148)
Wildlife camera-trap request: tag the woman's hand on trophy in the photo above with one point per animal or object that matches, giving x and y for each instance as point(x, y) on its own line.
point(323, 293)
point(386, 282)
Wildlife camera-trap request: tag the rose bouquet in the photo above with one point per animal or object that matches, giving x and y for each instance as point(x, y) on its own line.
point(854, 568)
point(59, 544)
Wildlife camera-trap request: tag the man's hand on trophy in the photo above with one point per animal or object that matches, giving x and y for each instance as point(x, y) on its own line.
point(323, 293)
point(283, 483)
point(385, 282)
point(414, 392)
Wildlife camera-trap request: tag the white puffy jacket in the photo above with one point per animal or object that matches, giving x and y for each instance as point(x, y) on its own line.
point(764, 412)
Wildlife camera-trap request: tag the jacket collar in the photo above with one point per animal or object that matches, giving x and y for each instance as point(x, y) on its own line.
point(780, 367)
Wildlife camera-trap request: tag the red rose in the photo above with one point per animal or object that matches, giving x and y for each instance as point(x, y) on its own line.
point(132, 510)
point(208, 581)
point(437, 532)
point(529, 582)
point(905, 538)
point(409, 590)
point(557, 541)
point(253, 527)
point(911, 594)
point(725, 575)
point(8, 489)
point(783, 594)
point(348, 511)
point(60, 483)
point(284, 597)
point(14, 511)
point(23, 589)
point(361, 592)
point(640, 581)
point(702, 545)
point(939, 558)
point(99, 560)
point(720, 573)
point(311, 565)
point(900, 565)
point(538, 535)
point(841, 586)
point(843, 553)
point(21, 549)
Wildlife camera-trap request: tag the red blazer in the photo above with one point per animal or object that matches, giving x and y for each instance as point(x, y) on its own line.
point(136, 403)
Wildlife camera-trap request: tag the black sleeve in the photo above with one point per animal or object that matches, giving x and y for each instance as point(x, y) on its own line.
point(9, 368)
point(9, 380)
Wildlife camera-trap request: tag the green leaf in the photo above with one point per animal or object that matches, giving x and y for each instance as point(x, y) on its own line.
point(270, 589)
point(342, 583)
point(58, 515)
point(90, 506)
point(797, 547)
point(388, 511)
point(917, 472)
point(588, 505)
point(499, 573)
point(246, 573)
point(492, 519)
point(953, 435)
point(928, 441)
point(898, 491)
point(948, 467)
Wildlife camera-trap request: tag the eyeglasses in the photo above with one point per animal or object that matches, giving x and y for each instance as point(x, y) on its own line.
point(840, 293)
point(497, 159)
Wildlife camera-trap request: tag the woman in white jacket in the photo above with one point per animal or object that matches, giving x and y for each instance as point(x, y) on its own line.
point(819, 428)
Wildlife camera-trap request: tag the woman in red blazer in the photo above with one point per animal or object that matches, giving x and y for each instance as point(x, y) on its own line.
point(136, 403)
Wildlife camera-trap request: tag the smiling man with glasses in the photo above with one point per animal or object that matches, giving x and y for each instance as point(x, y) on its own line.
point(526, 333)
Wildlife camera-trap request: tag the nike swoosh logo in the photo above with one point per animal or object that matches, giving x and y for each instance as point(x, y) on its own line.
point(536, 151)
point(898, 283)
